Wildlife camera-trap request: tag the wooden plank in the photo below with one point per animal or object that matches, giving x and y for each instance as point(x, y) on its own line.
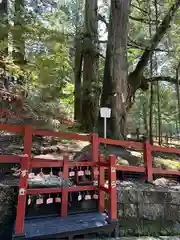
point(148, 161)
point(82, 164)
point(64, 197)
point(165, 149)
point(12, 128)
point(36, 191)
point(45, 163)
point(112, 203)
point(64, 135)
point(127, 144)
point(104, 189)
point(101, 184)
point(10, 159)
point(82, 188)
point(23, 184)
point(166, 172)
point(130, 168)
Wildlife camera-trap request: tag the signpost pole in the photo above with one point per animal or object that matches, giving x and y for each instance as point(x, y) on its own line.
point(105, 113)
point(105, 127)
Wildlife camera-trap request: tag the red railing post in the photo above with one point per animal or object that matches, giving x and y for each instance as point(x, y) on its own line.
point(148, 161)
point(64, 201)
point(25, 163)
point(95, 152)
point(101, 183)
point(95, 146)
point(112, 205)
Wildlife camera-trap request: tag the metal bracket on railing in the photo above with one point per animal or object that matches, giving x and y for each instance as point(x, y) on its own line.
point(113, 184)
point(24, 173)
point(22, 191)
point(95, 183)
point(113, 169)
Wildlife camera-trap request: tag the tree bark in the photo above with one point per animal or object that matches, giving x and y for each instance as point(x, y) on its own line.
point(145, 119)
point(18, 35)
point(161, 30)
point(118, 88)
point(90, 68)
point(178, 92)
point(77, 76)
point(136, 79)
point(3, 41)
point(115, 84)
point(78, 60)
point(4, 27)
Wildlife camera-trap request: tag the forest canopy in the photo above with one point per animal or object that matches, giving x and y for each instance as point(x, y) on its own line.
point(66, 59)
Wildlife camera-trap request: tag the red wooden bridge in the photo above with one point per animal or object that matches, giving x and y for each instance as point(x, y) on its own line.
point(66, 224)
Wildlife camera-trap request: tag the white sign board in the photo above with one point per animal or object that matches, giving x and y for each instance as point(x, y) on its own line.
point(105, 112)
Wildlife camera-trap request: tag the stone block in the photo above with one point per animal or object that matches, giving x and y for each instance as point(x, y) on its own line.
point(130, 211)
point(151, 197)
point(174, 198)
point(120, 209)
point(6, 195)
point(151, 211)
point(127, 196)
point(172, 212)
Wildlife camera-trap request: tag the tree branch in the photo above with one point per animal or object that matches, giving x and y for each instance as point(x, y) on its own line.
point(102, 41)
point(143, 20)
point(103, 19)
point(157, 38)
point(136, 45)
point(143, 48)
point(162, 79)
point(102, 56)
point(140, 9)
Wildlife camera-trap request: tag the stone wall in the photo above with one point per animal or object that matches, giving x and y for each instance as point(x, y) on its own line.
point(7, 211)
point(143, 209)
point(142, 205)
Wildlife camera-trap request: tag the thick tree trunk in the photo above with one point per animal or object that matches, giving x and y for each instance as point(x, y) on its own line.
point(115, 85)
point(178, 93)
point(4, 27)
point(90, 69)
point(18, 37)
point(119, 89)
point(136, 79)
point(77, 82)
point(145, 117)
point(3, 41)
point(78, 60)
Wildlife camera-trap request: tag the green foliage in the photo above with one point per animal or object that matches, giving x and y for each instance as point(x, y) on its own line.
point(48, 30)
point(48, 72)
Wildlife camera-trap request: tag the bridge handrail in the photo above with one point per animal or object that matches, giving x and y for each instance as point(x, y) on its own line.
point(27, 162)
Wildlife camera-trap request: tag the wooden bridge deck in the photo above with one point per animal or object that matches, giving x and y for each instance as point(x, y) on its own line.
point(52, 227)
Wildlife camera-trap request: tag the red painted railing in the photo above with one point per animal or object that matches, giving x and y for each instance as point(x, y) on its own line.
point(147, 153)
point(27, 162)
point(95, 141)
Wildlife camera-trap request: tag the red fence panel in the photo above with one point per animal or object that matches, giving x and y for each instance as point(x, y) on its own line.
point(126, 144)
point(27, 162)
point(112, 208)
point(12, 128)
point(25, 167)
point(64, 208)
point(101, 184)
point(165, 149)
point(64, 135)
point(148, 161)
